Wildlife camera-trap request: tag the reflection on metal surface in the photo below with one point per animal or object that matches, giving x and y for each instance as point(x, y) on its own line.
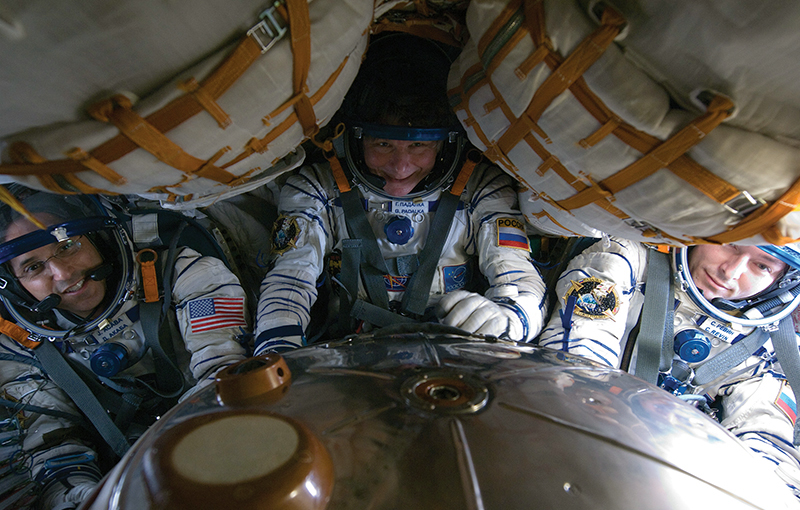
point(431, 419)
point(469, 480)
point(363, 416)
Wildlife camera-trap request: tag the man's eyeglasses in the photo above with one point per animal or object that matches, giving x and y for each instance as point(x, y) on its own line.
point(63, 250)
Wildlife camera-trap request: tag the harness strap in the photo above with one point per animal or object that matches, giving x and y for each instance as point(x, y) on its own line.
point(652, 338)
point(348, 275)
point(65, 377)
point(375, 267)
point(729, 358)
point(418, 289)
point(377, 316)
point(784, 340)
point(169, 378)
point(156, 330)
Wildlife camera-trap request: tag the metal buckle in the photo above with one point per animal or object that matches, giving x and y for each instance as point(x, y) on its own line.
point(743, 204)
point(271, 28)
point(770, 328)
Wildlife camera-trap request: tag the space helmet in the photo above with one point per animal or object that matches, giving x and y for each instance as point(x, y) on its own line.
point(31, 220)
point(400, 93)
point(767, 307)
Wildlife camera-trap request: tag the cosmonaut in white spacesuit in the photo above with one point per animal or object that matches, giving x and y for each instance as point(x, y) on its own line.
point(78, 339)
point(403, 213)
point(727, 301)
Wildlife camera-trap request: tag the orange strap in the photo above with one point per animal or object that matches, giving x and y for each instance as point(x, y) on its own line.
point(759, 221)
point(338, 172)
point(147, 261)
point(163, 120)
point(206, 101)
point(660, 157)
point(85, 159)
point(586, 54)
point(466, 171)
point(563, 76)
point(498, 25)
point(300, 31)
point(260, 145)
point(117, 110)
point(18, 334)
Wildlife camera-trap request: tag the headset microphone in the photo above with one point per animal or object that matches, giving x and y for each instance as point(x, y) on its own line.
point(101, 272)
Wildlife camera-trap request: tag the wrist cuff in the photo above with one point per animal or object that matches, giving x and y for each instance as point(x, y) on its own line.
point(523, 317)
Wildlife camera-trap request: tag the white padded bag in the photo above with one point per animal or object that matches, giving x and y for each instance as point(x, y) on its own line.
point(60, 58)
point(658, 121)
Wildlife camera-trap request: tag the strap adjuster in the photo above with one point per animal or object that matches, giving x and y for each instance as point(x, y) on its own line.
point(269, 30)
point(743, 204)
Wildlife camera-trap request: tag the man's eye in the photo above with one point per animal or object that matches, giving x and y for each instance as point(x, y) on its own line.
point(65, 247)
point(33, 268)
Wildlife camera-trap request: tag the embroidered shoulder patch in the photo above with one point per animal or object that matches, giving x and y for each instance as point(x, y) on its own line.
point(596, 299)
point(284, 234)
point(785, 402)
point(511, 234)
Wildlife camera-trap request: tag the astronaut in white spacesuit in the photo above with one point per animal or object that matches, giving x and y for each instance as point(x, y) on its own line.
point(720, 295)
point(407, 212)
point(78, 339)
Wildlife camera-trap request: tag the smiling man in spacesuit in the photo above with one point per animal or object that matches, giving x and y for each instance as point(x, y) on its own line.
point(408, 228)
point(731, 309)
point(75, 333)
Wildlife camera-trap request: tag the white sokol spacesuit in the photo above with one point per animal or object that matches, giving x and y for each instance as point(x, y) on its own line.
point(380, 224)
point(607, 281)
point(109, 346)
point(487, 227)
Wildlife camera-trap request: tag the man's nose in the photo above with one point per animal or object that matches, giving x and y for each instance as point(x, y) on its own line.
point(59, 268)
point(401, 159)
point(735, 266)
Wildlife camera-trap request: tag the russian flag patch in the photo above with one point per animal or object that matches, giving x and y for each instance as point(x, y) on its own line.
point(786, 403)
point(511, 234)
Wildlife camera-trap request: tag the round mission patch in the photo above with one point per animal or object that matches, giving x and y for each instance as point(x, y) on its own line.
point(596, 299)
point(284, 234)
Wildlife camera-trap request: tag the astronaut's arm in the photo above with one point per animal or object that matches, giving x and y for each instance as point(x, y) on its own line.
point(503, 250)
point(760, 413)
point(301, 237)
point(212, 314)
point(594, 296)
point(43, 443)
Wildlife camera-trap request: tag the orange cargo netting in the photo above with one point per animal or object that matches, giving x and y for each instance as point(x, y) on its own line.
point(566, 75)
point(148, 133)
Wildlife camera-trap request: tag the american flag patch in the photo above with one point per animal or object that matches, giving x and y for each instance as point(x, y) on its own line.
point(511, 233)
point(786, 403)
point(208, 314)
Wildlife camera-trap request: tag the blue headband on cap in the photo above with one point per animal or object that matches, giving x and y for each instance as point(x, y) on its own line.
point(403, 133)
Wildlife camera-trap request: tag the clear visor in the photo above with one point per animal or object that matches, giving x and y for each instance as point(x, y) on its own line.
point(752, 317)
